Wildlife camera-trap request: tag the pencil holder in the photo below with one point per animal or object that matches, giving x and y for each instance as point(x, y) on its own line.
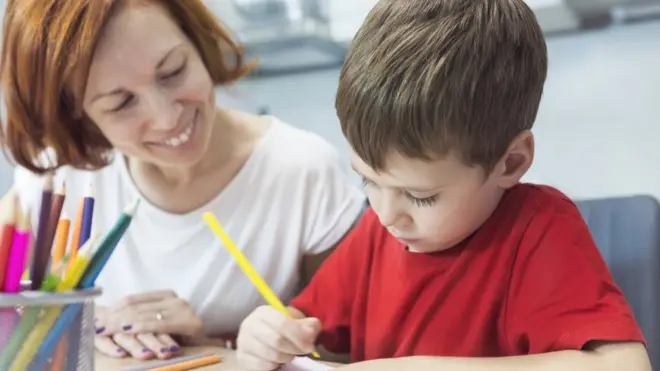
point(47, 331)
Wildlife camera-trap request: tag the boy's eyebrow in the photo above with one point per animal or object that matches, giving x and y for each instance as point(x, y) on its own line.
point(410, 189)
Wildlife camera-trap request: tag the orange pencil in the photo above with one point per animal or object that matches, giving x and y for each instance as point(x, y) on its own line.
point(7, 234)
point(61, 238)
point(189, 365)
point(75, 238)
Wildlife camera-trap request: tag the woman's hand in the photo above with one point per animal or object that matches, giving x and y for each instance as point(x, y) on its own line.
point(141, 325)
point(141, 346)
point(160, 312)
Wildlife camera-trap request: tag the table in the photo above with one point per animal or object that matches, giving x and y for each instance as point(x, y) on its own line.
point(105, 363)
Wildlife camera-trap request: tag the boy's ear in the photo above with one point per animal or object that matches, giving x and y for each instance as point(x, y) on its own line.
point(516, 161)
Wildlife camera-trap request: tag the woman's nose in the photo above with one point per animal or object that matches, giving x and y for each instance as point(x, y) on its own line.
point(165, 112)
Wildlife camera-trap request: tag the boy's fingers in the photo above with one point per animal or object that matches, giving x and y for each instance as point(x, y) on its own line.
point(293, 331)
point(312, 325)
point(269, 338)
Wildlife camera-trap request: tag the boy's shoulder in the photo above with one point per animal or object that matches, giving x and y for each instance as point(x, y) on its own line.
point(529, 206)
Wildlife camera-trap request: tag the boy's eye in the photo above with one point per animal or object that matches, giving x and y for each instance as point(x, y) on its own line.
point(426, 201)
point(366, 182)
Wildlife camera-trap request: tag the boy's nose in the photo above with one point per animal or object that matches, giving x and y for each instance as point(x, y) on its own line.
point(389, 215)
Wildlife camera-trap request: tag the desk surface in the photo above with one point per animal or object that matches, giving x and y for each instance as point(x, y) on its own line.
point(228, 363)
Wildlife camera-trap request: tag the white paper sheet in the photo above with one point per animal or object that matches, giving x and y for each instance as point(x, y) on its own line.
point(304, 364)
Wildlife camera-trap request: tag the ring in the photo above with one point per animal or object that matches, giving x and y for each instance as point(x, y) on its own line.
point(159, 316)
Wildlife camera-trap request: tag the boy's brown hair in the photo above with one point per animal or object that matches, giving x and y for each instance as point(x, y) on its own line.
point(429, 77)
point(47, 48)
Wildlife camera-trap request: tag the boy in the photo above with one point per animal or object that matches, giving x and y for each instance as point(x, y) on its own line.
point(458, 266)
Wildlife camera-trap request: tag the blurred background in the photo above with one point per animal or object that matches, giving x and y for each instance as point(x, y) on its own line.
point(599, 124)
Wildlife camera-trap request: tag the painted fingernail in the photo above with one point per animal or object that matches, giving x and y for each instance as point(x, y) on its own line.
point(164, 350)
point(174, 349)
point(100, 330)
point(145, 350)
point(127, 327)
point(119, 350)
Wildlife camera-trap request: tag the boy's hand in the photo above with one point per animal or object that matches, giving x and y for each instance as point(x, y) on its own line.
point(268, 339)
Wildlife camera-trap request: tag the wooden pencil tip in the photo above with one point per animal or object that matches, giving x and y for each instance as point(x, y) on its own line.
point(10, 207)
point(89, 191)
point(49, 182)
point(23, 222)
point(64, 216)
point(61, 190)
point(132, 207)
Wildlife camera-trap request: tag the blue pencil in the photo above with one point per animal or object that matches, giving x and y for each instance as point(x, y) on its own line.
point(85, 234)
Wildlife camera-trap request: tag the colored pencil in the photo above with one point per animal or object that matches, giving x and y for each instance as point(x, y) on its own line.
point(78, 267)
point(61, 238)
point(246, 266)
point(85, 233)
point(167, 362)
point(55, 213)
point(33, 325)
point(75, 236)
point(18, 254)
point(87, 216)
point(8, 222)
point(53, 278)
point(191, 364)
point(40, 329)
point(68, 315)
point(58, 359)
point(30, 254)
point(107, 246)
point(42, 247)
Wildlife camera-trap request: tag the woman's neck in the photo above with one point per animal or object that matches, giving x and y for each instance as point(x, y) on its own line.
point(224, 133)
point(233, 139)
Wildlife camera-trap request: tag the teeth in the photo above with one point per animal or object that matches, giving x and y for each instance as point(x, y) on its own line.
point(181, 139)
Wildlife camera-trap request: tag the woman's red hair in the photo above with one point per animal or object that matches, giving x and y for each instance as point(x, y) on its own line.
point(47, 49)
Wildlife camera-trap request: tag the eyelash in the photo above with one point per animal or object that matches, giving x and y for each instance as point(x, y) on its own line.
point(419, 202)
point(169, 76)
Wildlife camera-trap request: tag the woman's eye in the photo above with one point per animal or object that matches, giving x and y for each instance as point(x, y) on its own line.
point(123, 104)
point(175, 73)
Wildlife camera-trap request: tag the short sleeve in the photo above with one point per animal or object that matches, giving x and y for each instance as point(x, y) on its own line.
point(562, 295)
point(332, 204)
point(330, 294)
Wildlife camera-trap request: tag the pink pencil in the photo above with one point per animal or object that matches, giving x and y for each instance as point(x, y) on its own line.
point(18, 254)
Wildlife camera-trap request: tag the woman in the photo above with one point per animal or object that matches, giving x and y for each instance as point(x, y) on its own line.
point(121, 94)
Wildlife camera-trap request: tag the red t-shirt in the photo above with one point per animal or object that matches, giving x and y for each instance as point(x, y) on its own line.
point(530, 280)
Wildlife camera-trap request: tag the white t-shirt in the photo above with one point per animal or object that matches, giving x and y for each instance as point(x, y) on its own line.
point(290, 199)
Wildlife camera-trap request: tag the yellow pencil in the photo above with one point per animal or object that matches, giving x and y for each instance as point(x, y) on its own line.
point(247, 268)
point(80, 262)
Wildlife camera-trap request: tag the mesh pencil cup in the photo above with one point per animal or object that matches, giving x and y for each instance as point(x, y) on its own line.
point(41, 331)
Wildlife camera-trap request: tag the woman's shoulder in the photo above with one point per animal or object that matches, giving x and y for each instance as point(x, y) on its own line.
point(295, 149)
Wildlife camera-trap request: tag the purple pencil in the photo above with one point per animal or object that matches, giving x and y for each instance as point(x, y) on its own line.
point(41, 247)
point(18, 254)
point(87, 216)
